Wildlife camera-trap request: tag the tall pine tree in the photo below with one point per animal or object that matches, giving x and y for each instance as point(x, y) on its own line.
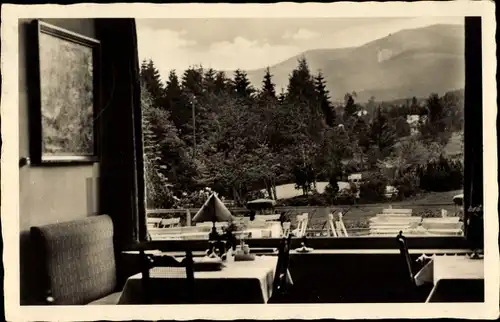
point(192, 82)
point(268, 90)
point(241, 85)
point(221, 82)
point(324, 99)
point(174, 101)
point(301, 87)
point(209, 81)
point(350, 106)
point(382, 134)
point(150, 77)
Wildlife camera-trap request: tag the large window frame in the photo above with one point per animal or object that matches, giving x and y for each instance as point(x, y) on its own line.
point(473, 121)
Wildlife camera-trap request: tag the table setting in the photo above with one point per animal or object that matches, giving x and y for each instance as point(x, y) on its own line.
point(238, 277)
point(227, 273)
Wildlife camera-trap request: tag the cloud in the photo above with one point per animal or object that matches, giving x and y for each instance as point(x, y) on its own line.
point(150, 40)
point(301, 34)
point(171, 50)
point(249, 54)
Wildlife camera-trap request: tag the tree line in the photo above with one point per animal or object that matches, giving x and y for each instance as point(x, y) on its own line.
point(244, 139)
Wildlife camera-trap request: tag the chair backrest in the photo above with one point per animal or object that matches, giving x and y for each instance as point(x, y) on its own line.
point(342, 226)
point(168, 266)
point(302, 221)
point(268, 217)
point(280, 274)
point(405, 254)
point(77, 260)
point(154, 222)
point(170, 222)
point(208, 225)
point(330, 228)
point(305, 221)
point(286, 229)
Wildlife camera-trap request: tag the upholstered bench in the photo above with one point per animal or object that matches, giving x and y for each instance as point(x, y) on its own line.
point(77, 261)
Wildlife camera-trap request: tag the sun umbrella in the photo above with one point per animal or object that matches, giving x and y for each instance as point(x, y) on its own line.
point(213, 210)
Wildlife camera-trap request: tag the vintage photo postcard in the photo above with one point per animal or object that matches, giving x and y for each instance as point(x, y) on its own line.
point(249, 161)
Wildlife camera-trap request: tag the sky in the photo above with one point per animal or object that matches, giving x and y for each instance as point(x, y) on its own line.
point(252, 43)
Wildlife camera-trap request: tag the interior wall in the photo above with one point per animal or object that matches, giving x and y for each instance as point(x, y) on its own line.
point(48, 194)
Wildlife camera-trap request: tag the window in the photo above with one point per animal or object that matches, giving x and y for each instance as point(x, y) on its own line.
point(368, 143)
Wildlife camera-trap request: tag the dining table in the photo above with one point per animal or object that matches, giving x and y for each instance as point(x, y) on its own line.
point(457, 278)
point(237, 282)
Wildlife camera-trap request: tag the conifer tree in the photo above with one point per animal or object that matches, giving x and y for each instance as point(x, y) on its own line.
point(220, 82)
point(324, 99)
point(434, 128)
point(241, 85)
point(268, 87)
point(350, 107)
point(209, 81)
point(192, 82)
point(150, 77)
point(371, 107)
point(174, 101)
point(382, 134)
point(301, 86)
point(157, 192)
point(282, 96)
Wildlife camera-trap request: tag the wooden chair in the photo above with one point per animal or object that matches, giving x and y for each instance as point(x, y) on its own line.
point(341, 226)
point(280, 283)
point(170, 222)
point(302, 221)
point(330, 227)
point(268, 217)
point(416, 293)
point(286, 229)
point(168, 266)
point(153, 222)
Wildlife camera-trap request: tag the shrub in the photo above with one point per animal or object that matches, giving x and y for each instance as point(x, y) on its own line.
point(357, 227)
point(407, 185)
point(314, 199)
point(330, 193)
point(345, 197)
point(353, 188)
point(429, 213)
point(357, 224)
point(443, 174)
point(257, 194)
point(372, 189)
point(317, 199)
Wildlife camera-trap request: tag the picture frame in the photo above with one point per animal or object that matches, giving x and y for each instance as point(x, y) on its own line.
point(64, 69)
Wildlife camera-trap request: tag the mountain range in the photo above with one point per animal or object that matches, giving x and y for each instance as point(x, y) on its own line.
point(411, 62)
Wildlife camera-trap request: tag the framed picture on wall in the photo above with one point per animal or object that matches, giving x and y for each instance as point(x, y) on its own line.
point(66, 99)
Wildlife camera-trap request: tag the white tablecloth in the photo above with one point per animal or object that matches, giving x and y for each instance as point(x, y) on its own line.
point(450, 267)
point(237, 282)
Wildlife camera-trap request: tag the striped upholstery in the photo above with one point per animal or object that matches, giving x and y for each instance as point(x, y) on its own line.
point(79, 259)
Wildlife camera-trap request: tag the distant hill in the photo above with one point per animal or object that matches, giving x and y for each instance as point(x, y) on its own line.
point(413, 62)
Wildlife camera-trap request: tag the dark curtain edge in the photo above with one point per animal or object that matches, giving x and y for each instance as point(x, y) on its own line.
point(138, 140)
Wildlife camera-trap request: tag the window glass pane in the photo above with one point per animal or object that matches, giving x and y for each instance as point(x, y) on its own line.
point(366, 122)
